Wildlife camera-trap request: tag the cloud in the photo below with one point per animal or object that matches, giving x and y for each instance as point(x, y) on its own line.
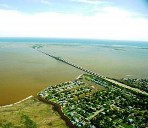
point(111, 23)
point(47, 2)
point(92, 1)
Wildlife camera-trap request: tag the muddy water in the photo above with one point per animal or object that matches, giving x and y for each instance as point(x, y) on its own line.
point(111, 61)
point(24, 71)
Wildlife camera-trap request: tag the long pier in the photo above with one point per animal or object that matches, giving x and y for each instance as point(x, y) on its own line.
point(95, 74)
point(72, 64)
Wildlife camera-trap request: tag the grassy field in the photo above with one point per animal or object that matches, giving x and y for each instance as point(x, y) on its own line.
point(30, 113)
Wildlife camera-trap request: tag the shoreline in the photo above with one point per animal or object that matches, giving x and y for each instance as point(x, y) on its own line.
point(10, 105)
point(58, 108)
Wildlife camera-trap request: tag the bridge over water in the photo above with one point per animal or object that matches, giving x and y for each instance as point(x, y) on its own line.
point(72, 64)
point(95, 74)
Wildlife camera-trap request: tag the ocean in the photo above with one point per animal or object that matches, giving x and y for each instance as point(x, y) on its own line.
point(71, 41)
point(24, 71)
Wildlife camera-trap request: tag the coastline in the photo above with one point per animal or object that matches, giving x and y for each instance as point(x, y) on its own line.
point(30, 107)
point(9, 105)
point(58, 108)
point(85, 55)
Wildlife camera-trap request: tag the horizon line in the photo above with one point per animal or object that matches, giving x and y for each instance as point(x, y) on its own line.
point(76, 38)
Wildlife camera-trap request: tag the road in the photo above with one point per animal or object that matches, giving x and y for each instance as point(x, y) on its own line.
point(95, 74)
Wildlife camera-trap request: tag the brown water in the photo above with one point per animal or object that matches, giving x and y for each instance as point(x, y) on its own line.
point(24, 71)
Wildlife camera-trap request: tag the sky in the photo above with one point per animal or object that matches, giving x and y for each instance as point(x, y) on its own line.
point(94, 19)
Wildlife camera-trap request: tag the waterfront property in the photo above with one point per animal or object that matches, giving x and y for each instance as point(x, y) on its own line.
point(114, 105)
point(93, 102)
point(112, 81)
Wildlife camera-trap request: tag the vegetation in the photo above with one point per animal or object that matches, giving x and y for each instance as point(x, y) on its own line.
point(89, 102)
point(31, 113)
point(88, 106)
point(6, 125)
point(141, 84)
point(28, 123)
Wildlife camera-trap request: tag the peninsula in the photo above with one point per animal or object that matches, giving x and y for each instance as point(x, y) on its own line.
point(95, 101)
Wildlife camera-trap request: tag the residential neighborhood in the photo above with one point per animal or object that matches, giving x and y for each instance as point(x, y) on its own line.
point(93, 102)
